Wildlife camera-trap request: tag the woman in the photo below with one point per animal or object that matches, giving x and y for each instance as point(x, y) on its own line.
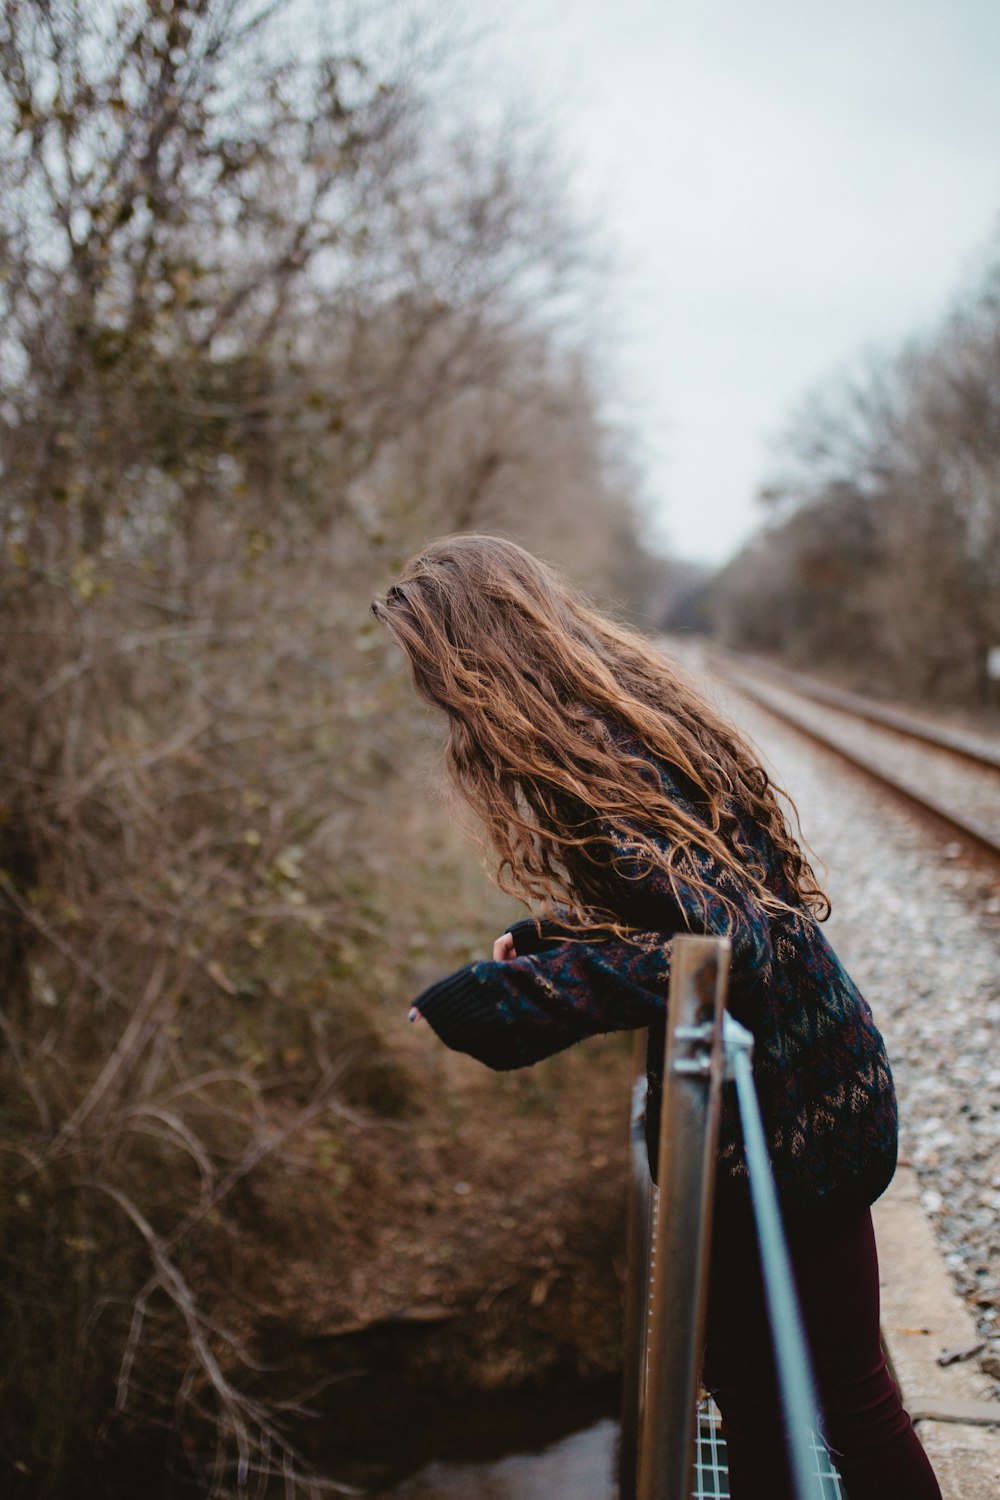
point(624, 809)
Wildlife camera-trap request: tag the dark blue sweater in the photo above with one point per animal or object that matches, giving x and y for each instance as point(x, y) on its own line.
point(822, 1075)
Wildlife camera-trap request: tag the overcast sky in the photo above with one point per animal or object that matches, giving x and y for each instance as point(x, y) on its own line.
point(783, 185)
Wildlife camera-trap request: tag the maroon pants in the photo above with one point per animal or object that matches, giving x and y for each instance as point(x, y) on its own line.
point(870, 1437)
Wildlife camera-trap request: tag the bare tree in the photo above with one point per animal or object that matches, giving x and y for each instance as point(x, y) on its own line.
point(885, 529)
point(269, 320)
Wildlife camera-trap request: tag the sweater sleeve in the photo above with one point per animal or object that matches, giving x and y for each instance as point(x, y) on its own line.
point(511, 1014)
point(557, 992)
point(537, 935)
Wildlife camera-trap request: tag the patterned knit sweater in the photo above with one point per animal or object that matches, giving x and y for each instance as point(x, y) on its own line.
point(820, 1067)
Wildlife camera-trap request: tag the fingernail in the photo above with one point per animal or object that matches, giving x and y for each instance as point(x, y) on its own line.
point(414, 1014)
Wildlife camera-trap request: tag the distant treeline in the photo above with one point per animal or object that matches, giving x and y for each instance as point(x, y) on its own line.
point(272, 314)
point(881, 560)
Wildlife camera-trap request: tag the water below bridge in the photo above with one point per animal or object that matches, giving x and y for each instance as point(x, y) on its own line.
point(581, 1465)
point(523, 1448)
point(577, 1464)
point(531, 1446)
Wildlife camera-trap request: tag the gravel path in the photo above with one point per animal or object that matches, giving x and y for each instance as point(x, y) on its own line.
point(920, 931)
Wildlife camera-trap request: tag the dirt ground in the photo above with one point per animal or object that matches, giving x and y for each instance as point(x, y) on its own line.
point(475, 1246)
point(445, 1232)
point(500, 1196)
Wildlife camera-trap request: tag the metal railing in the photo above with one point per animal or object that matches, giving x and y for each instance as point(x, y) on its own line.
point(669, 1236)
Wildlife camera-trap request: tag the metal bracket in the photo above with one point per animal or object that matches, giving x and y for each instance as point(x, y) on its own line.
point(702, 1033)
point(736, 1039)
point(692, 1067)
point(700, 1065)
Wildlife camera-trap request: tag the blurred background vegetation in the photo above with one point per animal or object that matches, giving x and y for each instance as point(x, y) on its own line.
point(276, 309)
point(274, 312)
point(879, 562)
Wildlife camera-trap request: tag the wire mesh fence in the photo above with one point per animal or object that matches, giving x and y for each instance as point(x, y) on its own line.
point(711, 1471)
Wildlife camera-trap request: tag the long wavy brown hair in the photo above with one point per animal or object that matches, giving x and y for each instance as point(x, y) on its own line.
point(556, 717)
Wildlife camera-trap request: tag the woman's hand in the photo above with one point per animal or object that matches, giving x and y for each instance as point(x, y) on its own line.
point(503, 949)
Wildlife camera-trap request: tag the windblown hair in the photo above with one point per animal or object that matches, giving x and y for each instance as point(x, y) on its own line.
point(557, 716)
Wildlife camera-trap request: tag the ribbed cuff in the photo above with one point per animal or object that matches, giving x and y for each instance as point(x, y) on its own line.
point(466, 1019)
point(527, 939)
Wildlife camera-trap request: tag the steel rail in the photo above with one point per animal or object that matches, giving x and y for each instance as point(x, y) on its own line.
point(638, 1261)
point(969, 828)
point(796, 1380)
point(883, 715)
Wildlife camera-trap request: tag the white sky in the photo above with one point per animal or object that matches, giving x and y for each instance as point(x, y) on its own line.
point(783, 185)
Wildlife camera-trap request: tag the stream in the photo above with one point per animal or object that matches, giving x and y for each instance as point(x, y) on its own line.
point(581, 1465)
point(526, 1446)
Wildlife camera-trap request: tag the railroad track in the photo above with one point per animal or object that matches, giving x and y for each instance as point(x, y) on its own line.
point(950, 776)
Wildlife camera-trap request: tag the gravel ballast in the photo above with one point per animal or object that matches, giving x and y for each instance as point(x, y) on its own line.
point(919, 928)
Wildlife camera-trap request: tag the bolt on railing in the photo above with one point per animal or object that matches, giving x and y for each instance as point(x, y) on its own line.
point(669, 1237)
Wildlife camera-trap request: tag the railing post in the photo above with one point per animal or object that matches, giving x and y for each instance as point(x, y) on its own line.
point(639, 1226)
point(689, 1122)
